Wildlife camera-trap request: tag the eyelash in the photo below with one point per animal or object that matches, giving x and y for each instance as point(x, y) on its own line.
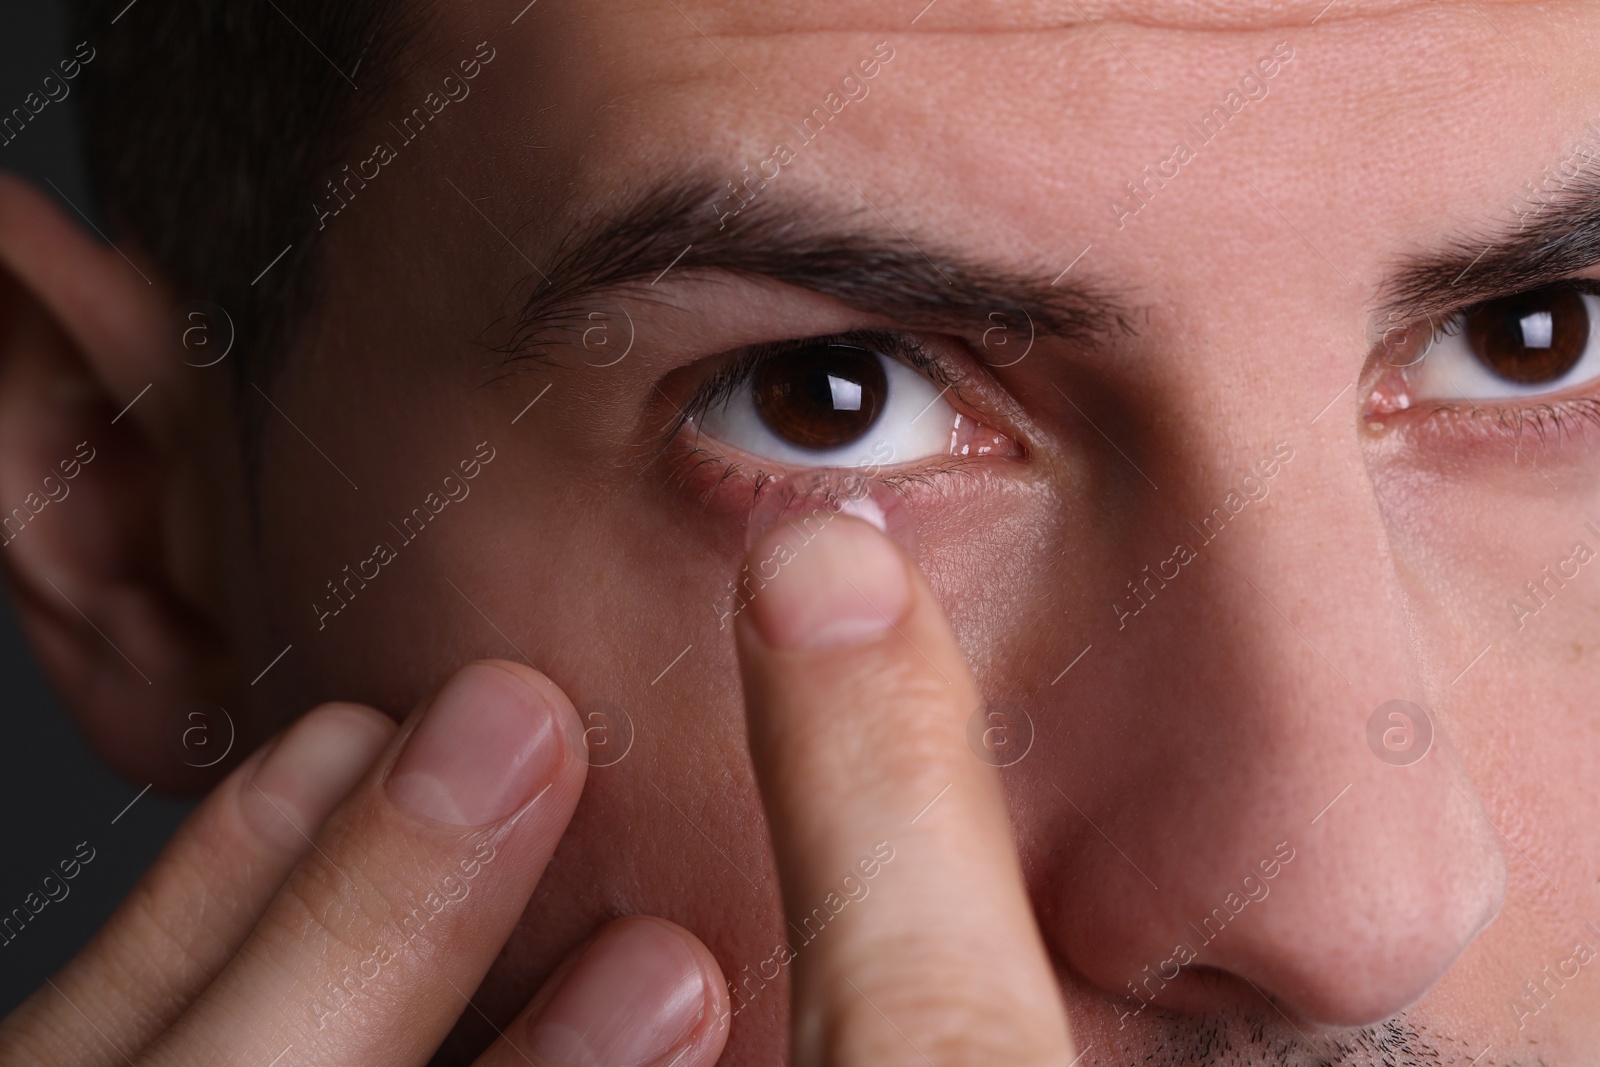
point(726, 380)
point(1453, 322)
point(1510, 421)
point(1503, 422)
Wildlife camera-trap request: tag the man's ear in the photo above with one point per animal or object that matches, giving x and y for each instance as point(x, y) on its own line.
point(103, 536)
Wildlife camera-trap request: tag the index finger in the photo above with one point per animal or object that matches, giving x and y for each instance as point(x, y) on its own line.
point(913, 941)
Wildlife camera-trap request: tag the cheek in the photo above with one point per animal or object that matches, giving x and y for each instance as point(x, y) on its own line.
point(625, 616)
point(990, 553)
point(1486, 547)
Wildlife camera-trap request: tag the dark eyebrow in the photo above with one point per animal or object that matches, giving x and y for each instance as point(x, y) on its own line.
point(1558, 236)
point(677, 226)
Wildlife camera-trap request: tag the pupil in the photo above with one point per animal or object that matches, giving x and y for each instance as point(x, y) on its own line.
point(820, 397)
point(1531, 339)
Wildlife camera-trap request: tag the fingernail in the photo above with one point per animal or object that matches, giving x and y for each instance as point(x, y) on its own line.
point(840, 585)
point(635, 997)
point(310, 770)
point(485, 747)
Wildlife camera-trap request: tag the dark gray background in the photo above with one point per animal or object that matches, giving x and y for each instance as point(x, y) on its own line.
point(53, 793)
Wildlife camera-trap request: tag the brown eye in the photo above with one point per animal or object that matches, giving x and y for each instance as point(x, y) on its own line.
point(1532, 338)
point(822, 396)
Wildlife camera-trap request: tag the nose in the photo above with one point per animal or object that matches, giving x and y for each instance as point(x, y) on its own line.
point(1271, 829)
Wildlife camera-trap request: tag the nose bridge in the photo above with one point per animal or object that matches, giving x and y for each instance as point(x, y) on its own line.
point(1306, 573)
point(1295, 629)
point(1272, 655)
point(1282, 571)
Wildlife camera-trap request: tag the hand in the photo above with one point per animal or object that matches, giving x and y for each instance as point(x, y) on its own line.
point(249, 944)
point(914, 941)
point(911, 942)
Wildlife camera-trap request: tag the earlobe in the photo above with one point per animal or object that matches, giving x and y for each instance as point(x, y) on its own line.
point(87, 516)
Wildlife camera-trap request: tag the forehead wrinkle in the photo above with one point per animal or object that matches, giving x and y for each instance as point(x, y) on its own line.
point(1002, 17)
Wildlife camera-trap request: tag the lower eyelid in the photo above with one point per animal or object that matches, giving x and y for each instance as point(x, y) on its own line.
point(723, 481)
point(970, 437)
point(1519, 434)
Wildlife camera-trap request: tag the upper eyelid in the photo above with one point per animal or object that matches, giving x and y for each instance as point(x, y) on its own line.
point(1442, 323)
point(885, 342)
point(1450, 324)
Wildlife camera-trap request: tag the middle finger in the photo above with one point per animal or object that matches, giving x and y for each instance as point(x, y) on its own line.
point(369, 952)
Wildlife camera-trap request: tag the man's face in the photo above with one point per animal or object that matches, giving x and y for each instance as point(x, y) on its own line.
point(1220, 502)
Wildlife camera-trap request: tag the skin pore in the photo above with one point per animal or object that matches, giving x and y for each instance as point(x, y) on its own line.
point(1182, 335)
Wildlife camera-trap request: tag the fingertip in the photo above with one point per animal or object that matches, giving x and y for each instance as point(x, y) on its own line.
point(358, 718)
point(717, 1006)
point(309, 769)
point(551, 695)
point(492, 740)
point(642, 991)
point(841, 584)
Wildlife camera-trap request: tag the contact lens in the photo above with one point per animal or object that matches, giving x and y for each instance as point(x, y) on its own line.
point(809, 501)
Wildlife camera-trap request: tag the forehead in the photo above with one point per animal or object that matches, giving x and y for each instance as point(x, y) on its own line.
point(1019, 126)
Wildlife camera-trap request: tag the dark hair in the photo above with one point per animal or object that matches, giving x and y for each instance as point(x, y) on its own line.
point(208, 125)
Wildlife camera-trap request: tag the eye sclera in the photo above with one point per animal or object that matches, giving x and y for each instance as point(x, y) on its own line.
point(728, 478)
point(1436, 366)
point(939, 402)
point(1414, 348)
point(896, 398)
